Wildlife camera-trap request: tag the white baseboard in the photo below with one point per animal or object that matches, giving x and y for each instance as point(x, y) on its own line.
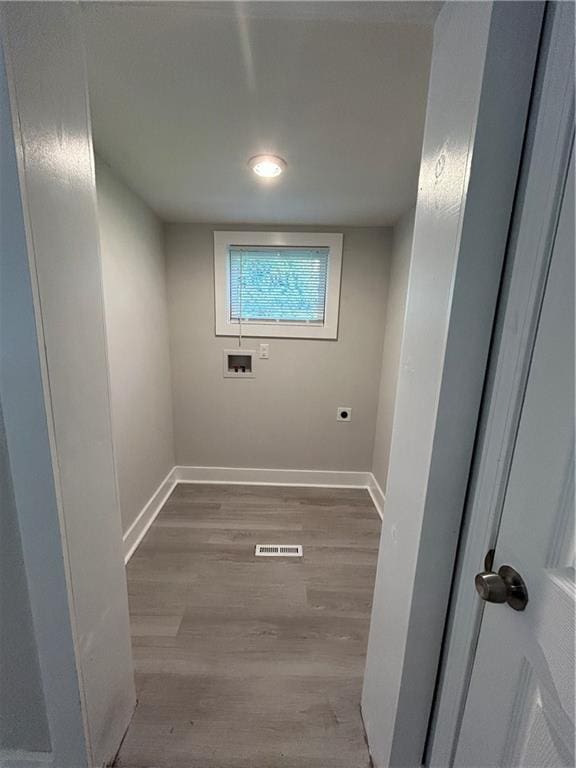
point(303, 477)
point(314, 478)
point(139, 527)
point(377, 494)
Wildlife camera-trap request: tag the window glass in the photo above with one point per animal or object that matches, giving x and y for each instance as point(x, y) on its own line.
point(280, 284)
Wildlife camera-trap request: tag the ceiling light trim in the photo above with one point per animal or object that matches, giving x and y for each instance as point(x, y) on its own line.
point(267, 166)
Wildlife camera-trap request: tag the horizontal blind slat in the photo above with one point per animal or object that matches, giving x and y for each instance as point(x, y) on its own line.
point(278, 284)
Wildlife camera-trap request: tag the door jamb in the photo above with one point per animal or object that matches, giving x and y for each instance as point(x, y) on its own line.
point(65, 355)
point(538, 198)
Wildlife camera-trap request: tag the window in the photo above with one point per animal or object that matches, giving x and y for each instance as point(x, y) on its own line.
point(282, 284)
point(277, 284)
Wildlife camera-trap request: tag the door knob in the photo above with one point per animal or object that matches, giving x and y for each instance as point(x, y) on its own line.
point(491, 587)
point(506, 586)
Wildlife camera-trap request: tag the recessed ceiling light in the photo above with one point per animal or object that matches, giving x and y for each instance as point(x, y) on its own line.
point(267, 166)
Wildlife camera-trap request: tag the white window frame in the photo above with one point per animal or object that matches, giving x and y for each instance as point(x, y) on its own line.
point(277, 329)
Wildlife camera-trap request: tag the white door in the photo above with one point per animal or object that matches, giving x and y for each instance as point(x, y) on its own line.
point(520, 705)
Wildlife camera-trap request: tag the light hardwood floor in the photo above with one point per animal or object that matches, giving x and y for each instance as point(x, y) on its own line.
point(245, 662)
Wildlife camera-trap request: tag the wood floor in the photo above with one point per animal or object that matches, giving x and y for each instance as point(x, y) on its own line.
point(245, 662)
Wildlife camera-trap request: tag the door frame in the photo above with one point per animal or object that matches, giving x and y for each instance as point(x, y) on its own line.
point(55, 393)
point(482, 76)
point(25, 401)
point(548, 144)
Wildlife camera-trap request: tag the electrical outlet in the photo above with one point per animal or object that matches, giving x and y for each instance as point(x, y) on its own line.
point(344, 413)
point(264, 351)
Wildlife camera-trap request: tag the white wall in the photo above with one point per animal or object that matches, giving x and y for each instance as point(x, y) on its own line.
point(481, 77)
point(23, 719)
point(134, 278)
point(44, 47)
point(286, 416)
point(395, 306)
point(35, 587)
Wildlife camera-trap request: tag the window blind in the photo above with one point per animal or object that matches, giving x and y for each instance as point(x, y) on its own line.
point(280, 284)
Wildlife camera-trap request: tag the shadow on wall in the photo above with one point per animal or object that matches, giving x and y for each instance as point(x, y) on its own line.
point(395, 309)
point(23, 722)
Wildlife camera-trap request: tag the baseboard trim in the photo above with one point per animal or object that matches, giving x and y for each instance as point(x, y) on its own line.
point(140, 526)
point(377, 494)
point(308, 478)
point(303, 477)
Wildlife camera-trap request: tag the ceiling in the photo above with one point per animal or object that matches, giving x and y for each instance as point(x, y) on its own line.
point(183, 94)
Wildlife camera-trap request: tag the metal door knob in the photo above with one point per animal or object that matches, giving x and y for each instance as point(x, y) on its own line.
point(506, 586)
point(491, 587)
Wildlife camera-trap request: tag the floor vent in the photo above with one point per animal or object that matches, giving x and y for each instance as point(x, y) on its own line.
point(278, 550)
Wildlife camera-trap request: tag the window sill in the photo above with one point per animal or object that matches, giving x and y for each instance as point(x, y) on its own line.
point(278, 331)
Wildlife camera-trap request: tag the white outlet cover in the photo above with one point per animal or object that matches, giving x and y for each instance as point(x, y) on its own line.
point(264, 351)
point(344, 413)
